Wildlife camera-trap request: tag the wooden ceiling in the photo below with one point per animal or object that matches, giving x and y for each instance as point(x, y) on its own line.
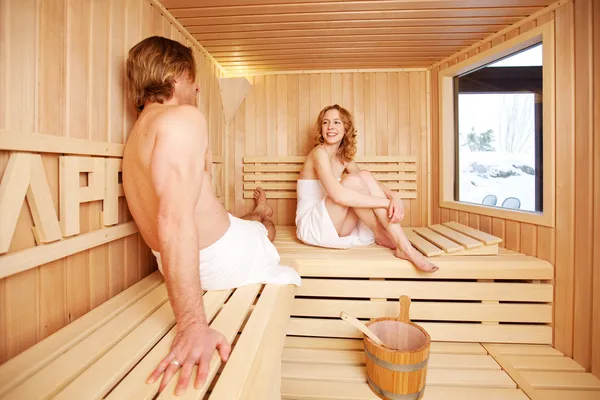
point(268, 35)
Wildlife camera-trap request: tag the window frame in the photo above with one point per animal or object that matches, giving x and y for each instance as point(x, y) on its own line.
point(447, 120)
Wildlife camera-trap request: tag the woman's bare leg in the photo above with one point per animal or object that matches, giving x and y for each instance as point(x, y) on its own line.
point(404, 248)
point(345, 219)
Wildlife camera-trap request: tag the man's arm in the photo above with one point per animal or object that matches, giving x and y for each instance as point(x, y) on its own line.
point(177, 170)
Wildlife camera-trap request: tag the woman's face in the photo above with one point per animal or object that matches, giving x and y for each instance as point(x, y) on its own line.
point(332, 127)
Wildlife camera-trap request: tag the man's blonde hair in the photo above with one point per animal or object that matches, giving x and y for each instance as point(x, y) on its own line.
point(152, 67)
point(347, 148)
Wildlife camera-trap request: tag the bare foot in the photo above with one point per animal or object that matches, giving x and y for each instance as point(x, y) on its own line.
point(384, 239)
point(417, 259)
point(262, 208)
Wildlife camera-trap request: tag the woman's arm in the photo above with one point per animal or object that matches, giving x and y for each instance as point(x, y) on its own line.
point(337, 192)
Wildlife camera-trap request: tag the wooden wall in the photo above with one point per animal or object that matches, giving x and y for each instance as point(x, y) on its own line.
point(278, 118)
point(573, 245)
point(61, 73)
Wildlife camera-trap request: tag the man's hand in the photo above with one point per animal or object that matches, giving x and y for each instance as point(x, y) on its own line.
point(192, 345)
point(396, 210)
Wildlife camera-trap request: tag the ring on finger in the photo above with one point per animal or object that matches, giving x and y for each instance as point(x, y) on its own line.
point(175, 362)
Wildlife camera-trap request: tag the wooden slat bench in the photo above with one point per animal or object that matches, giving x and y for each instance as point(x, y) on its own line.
point(278, 175)
point(497, 299)
point(112, 350)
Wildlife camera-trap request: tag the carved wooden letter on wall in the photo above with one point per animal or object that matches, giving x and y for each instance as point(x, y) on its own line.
point(71, 194)
point(25, 176)
point(113, 190)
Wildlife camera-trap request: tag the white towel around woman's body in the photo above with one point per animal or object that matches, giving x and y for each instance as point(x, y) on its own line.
point(244, 255)
point(313, 224)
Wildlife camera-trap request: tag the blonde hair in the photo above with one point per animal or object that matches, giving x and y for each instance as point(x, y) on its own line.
point(347, 149)
point(152, 67)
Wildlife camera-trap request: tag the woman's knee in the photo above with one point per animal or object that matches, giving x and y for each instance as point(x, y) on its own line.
point(365, 175)
point(355, 182)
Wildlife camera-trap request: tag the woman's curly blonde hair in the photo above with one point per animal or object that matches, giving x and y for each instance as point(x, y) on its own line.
point(347, 149)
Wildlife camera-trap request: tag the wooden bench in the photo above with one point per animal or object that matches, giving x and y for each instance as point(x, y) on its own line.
point(494, 299)
point(278, 175)
point(474, 307)
point(111, 350)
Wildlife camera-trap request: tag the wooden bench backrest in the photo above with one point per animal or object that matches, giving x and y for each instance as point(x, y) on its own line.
point(278, 175)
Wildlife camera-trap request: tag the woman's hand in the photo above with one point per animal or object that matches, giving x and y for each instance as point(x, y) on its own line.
point(193, 345)
point(396, 210)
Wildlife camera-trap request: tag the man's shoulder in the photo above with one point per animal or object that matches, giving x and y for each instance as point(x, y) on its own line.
point(181, 113)
point(181, 119)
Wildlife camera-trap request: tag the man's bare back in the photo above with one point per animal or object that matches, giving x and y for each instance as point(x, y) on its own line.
point(210, 215)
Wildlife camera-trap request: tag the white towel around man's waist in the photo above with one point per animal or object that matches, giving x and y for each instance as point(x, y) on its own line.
point(244, 255)
point(314, 225)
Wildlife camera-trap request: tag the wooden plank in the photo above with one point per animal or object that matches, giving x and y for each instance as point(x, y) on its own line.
point(544, 363)
point(301, 159)
point(357, 357)
point(446, 244)
point(523, 349)
point(272, 168)
point(474, 233)
point(43, 143)
point(562, 380)
point(23, 260)
point(313, 389)
point(425, 247)
point(268, 360)
point(567, 394)
point(430, 290)
point(513, 372)
point(453, 332)
point(33, 359)
point(300, 342)
point(61, 370)
point(292, 195)
point(228, 322)
point(584, 182)
point(386, 177)
point(435, 377)
point(134, 384)
point(434, 311)
point(455, 236)
point(459, 267)
point(565, 180)
point(234, 376)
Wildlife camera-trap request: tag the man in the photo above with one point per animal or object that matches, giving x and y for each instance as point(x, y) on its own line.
point(167, 184)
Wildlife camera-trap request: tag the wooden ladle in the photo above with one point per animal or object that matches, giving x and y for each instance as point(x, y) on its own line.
point(361, 327)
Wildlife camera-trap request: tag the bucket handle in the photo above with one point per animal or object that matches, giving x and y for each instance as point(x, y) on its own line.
point(404, 309)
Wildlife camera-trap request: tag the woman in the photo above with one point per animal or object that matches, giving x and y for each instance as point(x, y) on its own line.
point(354, 211)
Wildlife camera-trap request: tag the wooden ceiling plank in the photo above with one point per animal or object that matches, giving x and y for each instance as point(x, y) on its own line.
point(365, 33)
point(358, 55)
point(422, 26)
point(339, 63)
point(334, 39)
point(219, 9)
point(361, 15)
point(357, 45)
point(336, 51)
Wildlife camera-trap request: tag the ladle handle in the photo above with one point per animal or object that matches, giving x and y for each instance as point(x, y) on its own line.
point(362, 327)
point(404, 309)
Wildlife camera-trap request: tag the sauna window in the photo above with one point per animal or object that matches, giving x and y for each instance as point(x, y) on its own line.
point(498, 132)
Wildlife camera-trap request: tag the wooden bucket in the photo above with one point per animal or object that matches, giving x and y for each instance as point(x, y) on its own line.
point(399, 373)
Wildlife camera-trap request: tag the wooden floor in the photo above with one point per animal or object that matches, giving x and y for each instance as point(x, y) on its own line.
point(489, 317)
point(322, 368)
